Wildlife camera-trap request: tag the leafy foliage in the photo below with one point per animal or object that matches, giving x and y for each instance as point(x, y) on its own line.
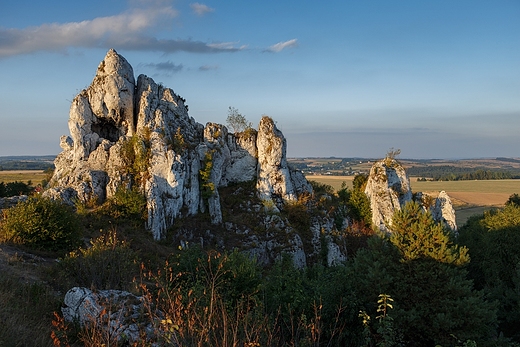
point(41, 223)
point(493, 239)
point(207, 187)
point(419, 267)
point(126, 204)
point(15, 188)
point(416, 235)
point(514, 200)
point(356, 201)
point(136, 153)
point(236, 121)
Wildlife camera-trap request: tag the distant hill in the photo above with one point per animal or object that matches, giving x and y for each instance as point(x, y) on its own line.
point(27, 162)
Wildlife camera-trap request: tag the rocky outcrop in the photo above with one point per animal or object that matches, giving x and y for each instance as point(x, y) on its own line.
point(88, 308)
point(388, 189)
point(128, 134)
point(443, 211)
point(12, 201)
point(276, 182)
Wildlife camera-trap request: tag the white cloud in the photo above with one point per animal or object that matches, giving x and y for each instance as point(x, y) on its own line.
point(226, 46)
point(129, 30)
point(280, 46)
point(201, 9)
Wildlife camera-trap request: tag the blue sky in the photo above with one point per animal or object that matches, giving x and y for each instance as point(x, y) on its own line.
point(437, 79)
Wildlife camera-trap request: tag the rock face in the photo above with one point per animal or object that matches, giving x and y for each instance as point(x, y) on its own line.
point(275, 179)
point(85, 307)
point(443, 211)
point(127, 134)
point(388, 189)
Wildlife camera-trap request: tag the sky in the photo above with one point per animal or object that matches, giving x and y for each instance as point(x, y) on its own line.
point(435, 79)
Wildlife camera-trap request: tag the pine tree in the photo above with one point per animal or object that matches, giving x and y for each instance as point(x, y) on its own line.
point(420, 267)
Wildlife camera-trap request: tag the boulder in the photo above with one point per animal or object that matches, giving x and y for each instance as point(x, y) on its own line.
point(115, 310)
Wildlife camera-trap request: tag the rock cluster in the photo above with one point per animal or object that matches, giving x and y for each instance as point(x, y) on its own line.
point(388, 189)
point(128, 134)
point(123, 319)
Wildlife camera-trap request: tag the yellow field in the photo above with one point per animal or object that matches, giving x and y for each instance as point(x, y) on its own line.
point(35, 176)
point(468, 197)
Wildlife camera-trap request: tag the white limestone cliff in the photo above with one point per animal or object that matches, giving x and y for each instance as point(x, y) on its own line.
point(128, 134)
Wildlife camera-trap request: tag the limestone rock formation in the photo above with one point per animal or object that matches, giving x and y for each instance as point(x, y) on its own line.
point(388, 189)
point(128, 134)
point(274, 176)
point(443, 211)
point(85, 307)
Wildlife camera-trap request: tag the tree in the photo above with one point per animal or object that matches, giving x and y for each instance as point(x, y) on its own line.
point(420, 266)
point(493, 239)
point(236, 121)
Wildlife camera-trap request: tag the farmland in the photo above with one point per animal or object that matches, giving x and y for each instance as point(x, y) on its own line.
point(35, 176)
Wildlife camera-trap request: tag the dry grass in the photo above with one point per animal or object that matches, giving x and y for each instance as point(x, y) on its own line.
point(35, 176)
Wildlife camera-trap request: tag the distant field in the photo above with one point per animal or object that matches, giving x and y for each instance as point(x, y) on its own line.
point(35, 176)
point(334, 181)
point(468, 197)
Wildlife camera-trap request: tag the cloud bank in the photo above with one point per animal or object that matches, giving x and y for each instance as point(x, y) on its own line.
point(129, 30)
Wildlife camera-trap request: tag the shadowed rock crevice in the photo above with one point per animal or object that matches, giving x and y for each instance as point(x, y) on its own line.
point(107, 129)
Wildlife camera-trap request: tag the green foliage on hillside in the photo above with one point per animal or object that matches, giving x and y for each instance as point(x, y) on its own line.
point(15, 188)
point(209, 296)
point(356, 201)
point(207, 187)
point(493, 239)
point(127, 204)
point(41, 223)
point(420, 268)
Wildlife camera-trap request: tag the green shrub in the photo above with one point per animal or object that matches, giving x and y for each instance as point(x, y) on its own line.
point(109, 263)
point(127, 204)
point(41, 223)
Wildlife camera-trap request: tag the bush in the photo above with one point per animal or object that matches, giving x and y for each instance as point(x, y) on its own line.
point(127, 204)
point(108, 263)
point(15, 188)
point(41, 223)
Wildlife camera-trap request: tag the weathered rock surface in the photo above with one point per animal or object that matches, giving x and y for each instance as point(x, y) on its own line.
point(443, 211)
point(128, 134)
point(388, 189)
point(12, 201)
point(89, 308)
